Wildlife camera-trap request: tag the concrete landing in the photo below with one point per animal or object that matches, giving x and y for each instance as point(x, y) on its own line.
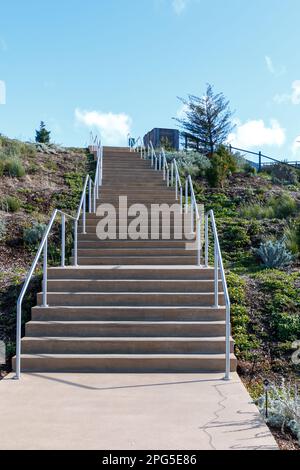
point(129, 411)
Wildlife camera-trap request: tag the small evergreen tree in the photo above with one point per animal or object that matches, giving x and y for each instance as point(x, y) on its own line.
point(207, 123)
point(42, 136)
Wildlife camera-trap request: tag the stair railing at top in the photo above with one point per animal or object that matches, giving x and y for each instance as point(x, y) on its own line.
point(89, 196)
point(159, 163)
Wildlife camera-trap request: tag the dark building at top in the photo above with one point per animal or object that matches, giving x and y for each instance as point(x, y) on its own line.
point(163, 137)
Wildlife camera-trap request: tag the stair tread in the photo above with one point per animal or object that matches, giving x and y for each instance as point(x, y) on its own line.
point(124, 338)
point(138, 266)
point(133, 293)
point(158, 281)
point(126, 322)
point(130, 307)
point(129, 356)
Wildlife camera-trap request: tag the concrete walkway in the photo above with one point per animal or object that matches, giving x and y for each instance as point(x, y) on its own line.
point(128, 411)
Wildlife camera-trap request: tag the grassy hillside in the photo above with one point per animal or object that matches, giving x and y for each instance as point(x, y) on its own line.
point(33, 181)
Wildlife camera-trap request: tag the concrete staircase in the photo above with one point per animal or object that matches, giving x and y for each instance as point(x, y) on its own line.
point(130, 306)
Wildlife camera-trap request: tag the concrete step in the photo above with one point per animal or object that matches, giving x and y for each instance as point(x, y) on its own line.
point(125, 363)
point(132, 285)
point(159, 233)
point(145, 313)
point(135, 260)
point(125, 328)
point(157, 299)
point(124, 345)
point(172, 244)
point(123, 219)
point(136, 191)
point(167, 273)
point(135, 252)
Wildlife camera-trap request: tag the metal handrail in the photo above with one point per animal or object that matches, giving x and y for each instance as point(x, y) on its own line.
point(43, 247)
point(218, 265)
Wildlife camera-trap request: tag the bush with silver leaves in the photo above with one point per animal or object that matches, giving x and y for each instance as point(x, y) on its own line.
point(283, 407)
point(190, 162)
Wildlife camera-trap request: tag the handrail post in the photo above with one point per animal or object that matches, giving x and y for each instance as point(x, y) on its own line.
point(63, 240)
point(75, 242)
point(90, 195)
point(259, 161)
point(192, 215)
point(186, 196)
point(18, 341)
point(181, 200)
point(172, 174)
point(168, 177)
point(95, 196)
point(206, 240)
point(228, 349)
point(45, 280)
point(176, 187)
point(84, 215)
point(216, 281)
point(199, 241)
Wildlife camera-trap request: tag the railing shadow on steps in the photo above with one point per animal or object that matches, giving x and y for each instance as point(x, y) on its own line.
point(89, 196)
point(172, 178)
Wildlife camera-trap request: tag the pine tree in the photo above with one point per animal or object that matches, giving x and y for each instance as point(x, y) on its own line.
point(207, 122)
point(42, 136)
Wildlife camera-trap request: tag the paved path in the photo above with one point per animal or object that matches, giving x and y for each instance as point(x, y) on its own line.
point(127, 411)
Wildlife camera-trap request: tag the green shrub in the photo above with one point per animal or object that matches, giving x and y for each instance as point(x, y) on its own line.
point(281, 206)
point(292, 237)
point(284, 206)
point(274, 254)
point(244, 340)
point(33, 235)
point(286, 326)
point(10, 204)
point(257, 211)
point(283, 174)
point(1, 168)
point(223, 164)
point(249, 169)
point(14, 168)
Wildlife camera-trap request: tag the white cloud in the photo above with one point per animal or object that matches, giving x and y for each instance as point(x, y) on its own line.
point(255, 133)
point(2, 92)
point(293, 97)
point(270, 65)
point(181, 112)
point(179, 6)
point(113, 128)
point(272, 69)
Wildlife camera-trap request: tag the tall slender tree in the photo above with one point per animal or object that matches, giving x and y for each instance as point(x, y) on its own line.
point(42, 136)
point(207, 121)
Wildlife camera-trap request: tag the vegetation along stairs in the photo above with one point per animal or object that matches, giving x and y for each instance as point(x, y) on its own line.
point(129, 305)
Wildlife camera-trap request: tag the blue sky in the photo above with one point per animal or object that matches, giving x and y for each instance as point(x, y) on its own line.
point(119, 65)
